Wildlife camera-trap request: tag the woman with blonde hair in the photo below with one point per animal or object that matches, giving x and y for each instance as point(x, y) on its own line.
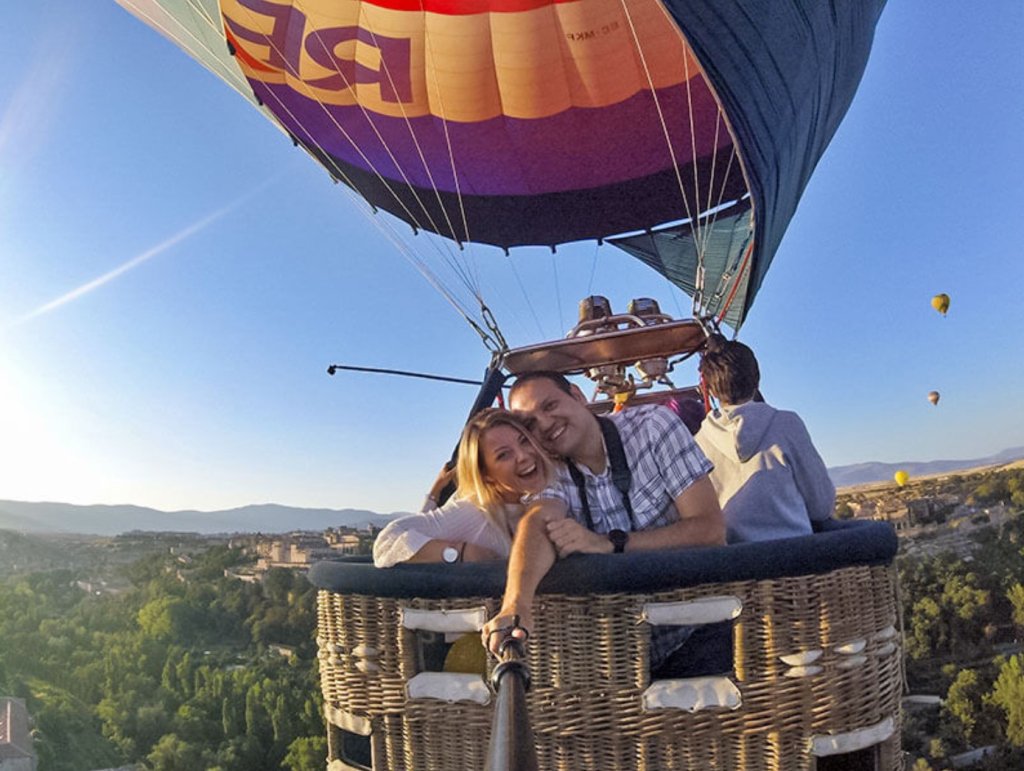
point(499, 464)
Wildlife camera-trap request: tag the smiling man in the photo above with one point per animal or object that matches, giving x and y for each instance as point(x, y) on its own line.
point(667, 502)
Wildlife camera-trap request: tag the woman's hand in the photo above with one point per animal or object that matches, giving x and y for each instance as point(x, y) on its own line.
point(445, 477)
point(570, 537)
point(501, 627)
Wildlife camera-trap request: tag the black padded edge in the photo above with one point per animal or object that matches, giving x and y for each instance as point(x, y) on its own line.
point(840, 544)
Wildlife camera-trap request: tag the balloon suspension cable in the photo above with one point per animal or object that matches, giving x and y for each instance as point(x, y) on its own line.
point(493, 336)
point(447, 255)
point(403, 373)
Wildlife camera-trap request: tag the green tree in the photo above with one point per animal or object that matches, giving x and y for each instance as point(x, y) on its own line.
point(307, 753)
point(1008, 695)
point(167, 618)
point(967, 712)
point(1016, 597)
point(172, 753)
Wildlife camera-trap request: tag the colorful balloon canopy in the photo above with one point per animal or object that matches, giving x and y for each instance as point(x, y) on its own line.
point(695, 123)
point(901, 477)
point(933, 397)
point(941, 303)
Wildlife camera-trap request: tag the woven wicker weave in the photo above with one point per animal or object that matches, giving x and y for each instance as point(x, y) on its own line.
point(589, 666)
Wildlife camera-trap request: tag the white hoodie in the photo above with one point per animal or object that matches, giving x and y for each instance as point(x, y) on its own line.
point(771, 482)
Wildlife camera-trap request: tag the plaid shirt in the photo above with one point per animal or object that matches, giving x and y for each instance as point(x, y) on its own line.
point(664, 461)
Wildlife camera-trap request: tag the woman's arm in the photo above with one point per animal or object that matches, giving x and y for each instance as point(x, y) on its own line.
point(423, 537)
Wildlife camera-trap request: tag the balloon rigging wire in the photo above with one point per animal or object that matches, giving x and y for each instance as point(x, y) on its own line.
point(485, 312)
point(383, 225)
point(526, 297)
point(412, 133)
point(200, 44)
point(558, 292)
point(657, 107)
point(369, 120)
point(747, 252)
point(404, 248)
point(695, 221)
point(733, 156)
point(593, 268)
point(463, 269)
point(444, 124)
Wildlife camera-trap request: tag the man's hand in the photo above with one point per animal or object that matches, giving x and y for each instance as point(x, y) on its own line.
point(499, 628)
point(570, 537)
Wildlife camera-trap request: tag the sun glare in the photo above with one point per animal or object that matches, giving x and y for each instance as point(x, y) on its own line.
point(38, 460)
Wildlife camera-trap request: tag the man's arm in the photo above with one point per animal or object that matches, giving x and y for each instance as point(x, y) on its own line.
point(700, 524)
point(532, 557)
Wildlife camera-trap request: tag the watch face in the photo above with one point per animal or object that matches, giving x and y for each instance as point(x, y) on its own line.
point(450, 554)
point(618, 539)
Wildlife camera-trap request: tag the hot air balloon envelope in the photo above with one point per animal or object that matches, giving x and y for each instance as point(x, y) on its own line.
point(901, 477)
point(933, 397)
point(941, 303)
point(693, 123)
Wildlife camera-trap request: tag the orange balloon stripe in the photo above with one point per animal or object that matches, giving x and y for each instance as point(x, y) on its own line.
point(244, 56)
point(530, 64)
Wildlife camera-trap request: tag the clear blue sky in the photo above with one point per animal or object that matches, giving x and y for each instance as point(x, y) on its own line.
point(218, 272)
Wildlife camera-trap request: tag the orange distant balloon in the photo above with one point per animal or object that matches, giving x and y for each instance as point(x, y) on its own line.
point(941, 303)
point(933, 397)
point(901, 477)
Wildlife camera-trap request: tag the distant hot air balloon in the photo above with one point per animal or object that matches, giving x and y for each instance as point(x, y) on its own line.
point(941, 303)
point(901, 477)
point(933, 397)
point(467, 655)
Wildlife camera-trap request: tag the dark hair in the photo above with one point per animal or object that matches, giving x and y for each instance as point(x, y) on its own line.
point(560, 381)
point(729, 369)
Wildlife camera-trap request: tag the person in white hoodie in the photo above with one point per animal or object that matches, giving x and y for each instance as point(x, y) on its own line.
point(771, 481)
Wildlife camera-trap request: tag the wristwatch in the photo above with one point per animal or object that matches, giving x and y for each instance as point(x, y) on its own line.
point(619, 538)
point(450, 555)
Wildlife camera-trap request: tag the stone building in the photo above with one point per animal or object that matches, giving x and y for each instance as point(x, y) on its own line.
point(16, 751)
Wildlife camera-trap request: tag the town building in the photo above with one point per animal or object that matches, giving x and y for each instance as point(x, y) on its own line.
point(16, 751)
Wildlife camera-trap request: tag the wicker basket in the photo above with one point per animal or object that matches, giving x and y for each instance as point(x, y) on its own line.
point(817, 661)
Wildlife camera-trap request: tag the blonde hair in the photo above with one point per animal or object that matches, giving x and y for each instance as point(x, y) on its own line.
point(470, 471)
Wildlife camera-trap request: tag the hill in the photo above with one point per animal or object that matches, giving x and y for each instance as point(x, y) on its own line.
point(867, 473)
point(48, 517)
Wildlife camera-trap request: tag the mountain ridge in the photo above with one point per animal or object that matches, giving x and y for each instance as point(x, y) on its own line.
point(875, 471)
point(112, 519)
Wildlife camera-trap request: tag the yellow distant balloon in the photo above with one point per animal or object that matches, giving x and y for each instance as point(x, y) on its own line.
point(941, 303)
point(467, 655)
point(933, 397)
point(901, 477)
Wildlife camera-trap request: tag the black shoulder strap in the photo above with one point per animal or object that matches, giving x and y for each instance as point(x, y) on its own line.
point(622, 477)
point(581, 486)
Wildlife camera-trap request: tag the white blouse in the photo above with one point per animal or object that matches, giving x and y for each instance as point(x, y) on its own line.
point(457, 520)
